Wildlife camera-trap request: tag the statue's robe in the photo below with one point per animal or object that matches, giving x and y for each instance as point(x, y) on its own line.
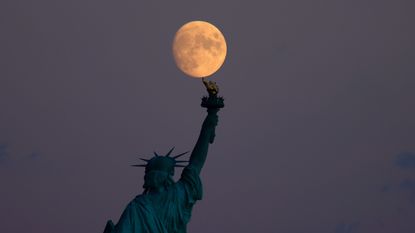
point(165, 212)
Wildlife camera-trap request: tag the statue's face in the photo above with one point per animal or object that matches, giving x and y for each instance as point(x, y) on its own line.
point(155, 179)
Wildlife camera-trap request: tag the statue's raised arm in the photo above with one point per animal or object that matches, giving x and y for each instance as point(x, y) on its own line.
point(213, 103)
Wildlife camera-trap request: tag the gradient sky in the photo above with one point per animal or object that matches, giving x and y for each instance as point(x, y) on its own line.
point(317, 136)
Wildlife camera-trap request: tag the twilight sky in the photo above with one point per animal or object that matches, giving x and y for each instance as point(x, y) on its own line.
point(317, 136)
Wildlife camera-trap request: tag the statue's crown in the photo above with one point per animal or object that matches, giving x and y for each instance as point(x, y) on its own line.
point(165, 163)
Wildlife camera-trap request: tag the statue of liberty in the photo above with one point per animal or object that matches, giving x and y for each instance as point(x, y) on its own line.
point(165, 206)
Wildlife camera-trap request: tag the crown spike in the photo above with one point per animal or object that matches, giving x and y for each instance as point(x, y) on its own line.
point(155, 153)
point(139, 165)
point(168, 153)
point(177, 156)
point(145, 160)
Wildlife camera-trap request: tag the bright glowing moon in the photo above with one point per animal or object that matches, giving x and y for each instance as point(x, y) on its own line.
point(199, 49)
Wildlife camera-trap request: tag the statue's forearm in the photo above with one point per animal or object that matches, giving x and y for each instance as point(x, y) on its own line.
point(207, 133)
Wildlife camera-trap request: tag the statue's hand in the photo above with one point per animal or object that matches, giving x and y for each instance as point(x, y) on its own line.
point(213, 111)
point(210, 124)
point(211, 120)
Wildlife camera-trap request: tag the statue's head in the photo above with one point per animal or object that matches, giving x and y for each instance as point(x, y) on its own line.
point(159, 170)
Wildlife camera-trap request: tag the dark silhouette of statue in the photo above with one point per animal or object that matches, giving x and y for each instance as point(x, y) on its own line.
point(165, 206)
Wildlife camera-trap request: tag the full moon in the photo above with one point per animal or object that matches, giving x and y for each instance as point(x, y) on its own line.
point(199, 49)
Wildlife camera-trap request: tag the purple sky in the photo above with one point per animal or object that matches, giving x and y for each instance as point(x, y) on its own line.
point(317, 136)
